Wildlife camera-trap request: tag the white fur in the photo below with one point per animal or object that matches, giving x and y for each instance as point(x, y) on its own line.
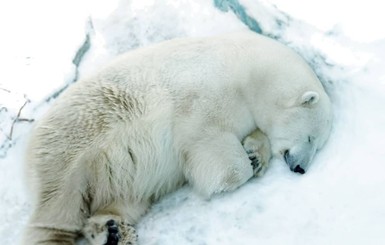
point(163, 115)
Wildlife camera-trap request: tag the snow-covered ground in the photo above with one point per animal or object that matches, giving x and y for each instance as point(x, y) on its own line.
point(341, 200)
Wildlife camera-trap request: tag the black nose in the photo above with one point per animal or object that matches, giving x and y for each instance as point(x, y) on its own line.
point(298, 169)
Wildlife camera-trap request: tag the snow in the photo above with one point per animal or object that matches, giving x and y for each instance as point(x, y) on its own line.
point(341, 200)
point(359, 20)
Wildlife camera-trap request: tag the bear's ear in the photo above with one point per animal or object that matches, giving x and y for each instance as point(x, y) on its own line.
point(309, 98)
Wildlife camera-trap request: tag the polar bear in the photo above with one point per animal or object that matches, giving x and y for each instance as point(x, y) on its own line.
point(207, 111)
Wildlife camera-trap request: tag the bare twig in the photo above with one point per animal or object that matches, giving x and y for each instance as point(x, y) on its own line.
point(25, 120)
point(6, 90)
point(18, 119)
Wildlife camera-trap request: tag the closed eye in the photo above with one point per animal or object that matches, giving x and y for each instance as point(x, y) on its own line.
point(310, 139)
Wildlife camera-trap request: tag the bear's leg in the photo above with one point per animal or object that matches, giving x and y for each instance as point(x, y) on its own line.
point(114, 225)
point(257, 146)
point(58, 217)
point(216, 163)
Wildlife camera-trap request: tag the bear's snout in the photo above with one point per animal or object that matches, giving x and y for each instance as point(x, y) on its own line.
point(292, 162)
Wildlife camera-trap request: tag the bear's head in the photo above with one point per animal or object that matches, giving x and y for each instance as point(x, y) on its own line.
point(300, 127)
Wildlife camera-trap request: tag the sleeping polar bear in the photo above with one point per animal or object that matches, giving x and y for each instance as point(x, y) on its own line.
point(205, 111)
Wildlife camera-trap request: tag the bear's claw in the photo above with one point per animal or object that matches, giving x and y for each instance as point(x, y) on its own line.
point(254, 158)
point(113, 233)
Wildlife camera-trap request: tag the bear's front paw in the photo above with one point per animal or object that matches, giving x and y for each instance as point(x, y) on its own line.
point(98, 231)
point(257, 147)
